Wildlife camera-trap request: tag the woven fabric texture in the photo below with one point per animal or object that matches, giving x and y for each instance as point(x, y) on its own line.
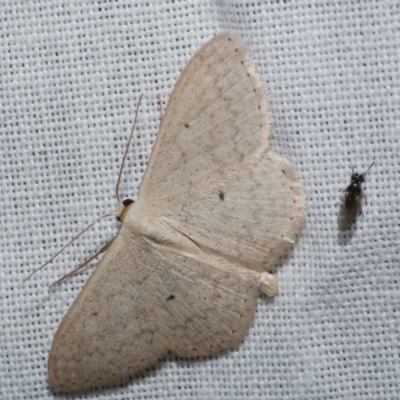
point(71, 74)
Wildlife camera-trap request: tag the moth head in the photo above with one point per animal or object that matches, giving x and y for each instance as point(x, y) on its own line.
point(123, 209)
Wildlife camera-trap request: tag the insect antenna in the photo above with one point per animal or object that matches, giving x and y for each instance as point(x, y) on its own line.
point(365, 173)
point(126, 152)
point(109, 214)
point(70, 242)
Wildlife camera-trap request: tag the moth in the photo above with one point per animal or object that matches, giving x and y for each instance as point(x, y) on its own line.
point(215, 210)
point(351, 200)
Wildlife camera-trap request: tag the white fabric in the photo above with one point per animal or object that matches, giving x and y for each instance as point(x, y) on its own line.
point(71, 75)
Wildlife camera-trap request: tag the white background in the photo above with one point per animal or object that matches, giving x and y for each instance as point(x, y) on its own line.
point(71, 73)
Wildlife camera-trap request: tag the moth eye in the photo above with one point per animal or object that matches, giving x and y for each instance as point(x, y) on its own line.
point(127, 202)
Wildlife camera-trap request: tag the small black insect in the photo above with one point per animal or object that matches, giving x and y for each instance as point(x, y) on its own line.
point(351, 200)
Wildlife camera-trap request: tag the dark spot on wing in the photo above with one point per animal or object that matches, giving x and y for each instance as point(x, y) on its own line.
point(170, 297)
point(221, 195)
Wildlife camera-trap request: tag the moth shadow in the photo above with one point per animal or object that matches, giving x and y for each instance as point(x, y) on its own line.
point(183, 362)
point(110, 390)
point(283, 258)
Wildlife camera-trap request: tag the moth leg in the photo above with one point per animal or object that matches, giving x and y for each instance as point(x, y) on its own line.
point(79, 267)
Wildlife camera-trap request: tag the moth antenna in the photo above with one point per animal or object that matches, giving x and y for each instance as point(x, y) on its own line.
point(126, 153)
point(86, 262)
point(365, 173)
point(70, 242)
point(98, 218)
